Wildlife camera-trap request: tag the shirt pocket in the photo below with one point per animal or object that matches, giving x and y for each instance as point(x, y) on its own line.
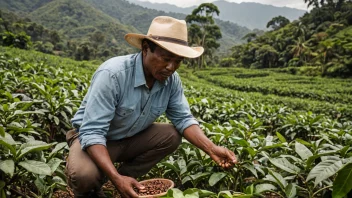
point(123, 117)
point(124, 112)
point(155, 112)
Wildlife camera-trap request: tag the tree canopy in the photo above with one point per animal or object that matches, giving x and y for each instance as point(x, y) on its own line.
point(320, 39)
point(277, 22)
point(203, 31)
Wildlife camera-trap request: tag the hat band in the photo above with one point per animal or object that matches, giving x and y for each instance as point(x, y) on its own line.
point(169, 39)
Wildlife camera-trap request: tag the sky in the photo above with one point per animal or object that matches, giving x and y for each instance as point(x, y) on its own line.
point(299, 4)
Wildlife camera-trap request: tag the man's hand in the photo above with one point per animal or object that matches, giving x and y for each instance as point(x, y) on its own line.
point(125, 186)
point(223, 156)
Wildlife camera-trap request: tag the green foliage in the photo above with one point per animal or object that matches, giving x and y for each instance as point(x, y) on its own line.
point(278, 22)
point(227, 62)
point(21, 40)
point(71, 24)
point(203, 30)
point(37, 100)
point(320, 39)
point(286, 146)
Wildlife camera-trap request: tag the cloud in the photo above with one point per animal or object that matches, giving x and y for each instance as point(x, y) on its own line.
point(299, 4)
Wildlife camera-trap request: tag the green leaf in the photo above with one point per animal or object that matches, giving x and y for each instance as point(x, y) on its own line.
point(40, 184)
point(8, 166)
point(2, 131)
point(279, 179)
point(5, 107)
point(186, 179)
point(264, 187)
point(240, 141)
point(190, 191)
point(291, 190)
point(41, 89)
point(205, 193)
point(303, 142)
point(57, 121)
point(227, 194)
point(285, 165)
point(36, 167)
point(281, 138)
point(324, 170)
point(199, 176)
point(251, 168)
point(8, 141)
point(176, 193)
point(302, 151)
point(20, 112)
point(59, 180)
point(314, 157)
point(171, 166)
point(215, 178)
point(272, 146)
point(342, 184)
point(182, 166)
point(57, 148)
point(193, 195)
point(35, 148)
point(54, 163)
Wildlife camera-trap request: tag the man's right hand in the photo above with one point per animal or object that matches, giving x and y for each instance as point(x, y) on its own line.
point(125, 186)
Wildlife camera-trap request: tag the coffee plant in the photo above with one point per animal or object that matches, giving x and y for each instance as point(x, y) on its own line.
point(292, 136)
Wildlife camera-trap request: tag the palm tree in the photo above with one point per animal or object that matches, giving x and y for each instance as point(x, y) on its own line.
point(298, 49)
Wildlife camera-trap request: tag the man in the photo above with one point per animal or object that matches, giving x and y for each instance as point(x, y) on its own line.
point(115, 122)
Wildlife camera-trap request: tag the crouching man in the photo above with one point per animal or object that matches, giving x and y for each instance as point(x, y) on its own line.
point(115, 122)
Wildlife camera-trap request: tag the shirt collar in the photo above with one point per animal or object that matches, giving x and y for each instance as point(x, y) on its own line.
point(139, 78)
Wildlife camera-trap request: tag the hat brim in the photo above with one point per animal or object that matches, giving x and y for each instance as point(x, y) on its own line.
point(180, 50)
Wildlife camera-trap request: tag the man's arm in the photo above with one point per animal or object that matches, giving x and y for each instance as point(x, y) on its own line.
point(102, 98)
point(101, 158)
point(222, 156)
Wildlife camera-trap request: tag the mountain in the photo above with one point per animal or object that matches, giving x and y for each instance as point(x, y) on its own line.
point(140, 18)
point(251, 15)
point(22, 6)
point(79, 18)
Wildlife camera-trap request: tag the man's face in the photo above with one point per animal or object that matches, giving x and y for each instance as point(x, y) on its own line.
point(160, 64)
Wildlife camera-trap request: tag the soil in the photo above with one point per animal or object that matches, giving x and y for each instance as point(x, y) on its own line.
point(108, 188)
point(153, 187)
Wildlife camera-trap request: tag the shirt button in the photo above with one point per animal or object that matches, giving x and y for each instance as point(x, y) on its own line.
point(143, 113)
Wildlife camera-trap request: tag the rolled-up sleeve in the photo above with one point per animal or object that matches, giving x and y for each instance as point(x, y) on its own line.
point(100, 103)
point(178, 110)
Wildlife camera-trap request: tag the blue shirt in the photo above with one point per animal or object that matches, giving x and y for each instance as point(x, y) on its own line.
point(119, 104)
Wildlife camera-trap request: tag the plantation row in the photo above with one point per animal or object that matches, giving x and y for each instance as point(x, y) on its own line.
point(332, 110)
point(268, 82)
point(282, 151)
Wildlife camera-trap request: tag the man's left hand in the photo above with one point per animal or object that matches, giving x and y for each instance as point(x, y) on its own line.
point(223, 157)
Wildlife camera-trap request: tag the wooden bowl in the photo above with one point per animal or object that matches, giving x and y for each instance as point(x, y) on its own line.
point(164, 181)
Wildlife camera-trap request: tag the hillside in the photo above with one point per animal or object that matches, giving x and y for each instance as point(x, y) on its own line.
point(250, 15)
point(318, 44)
point(77, 19)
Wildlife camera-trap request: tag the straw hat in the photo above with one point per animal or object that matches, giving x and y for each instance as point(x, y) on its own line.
point(170, 34)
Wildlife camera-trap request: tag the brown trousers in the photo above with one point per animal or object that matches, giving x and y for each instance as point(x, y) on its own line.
point(138, 155)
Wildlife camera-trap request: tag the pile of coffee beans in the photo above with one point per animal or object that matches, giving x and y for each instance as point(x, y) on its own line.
point(153, 187)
